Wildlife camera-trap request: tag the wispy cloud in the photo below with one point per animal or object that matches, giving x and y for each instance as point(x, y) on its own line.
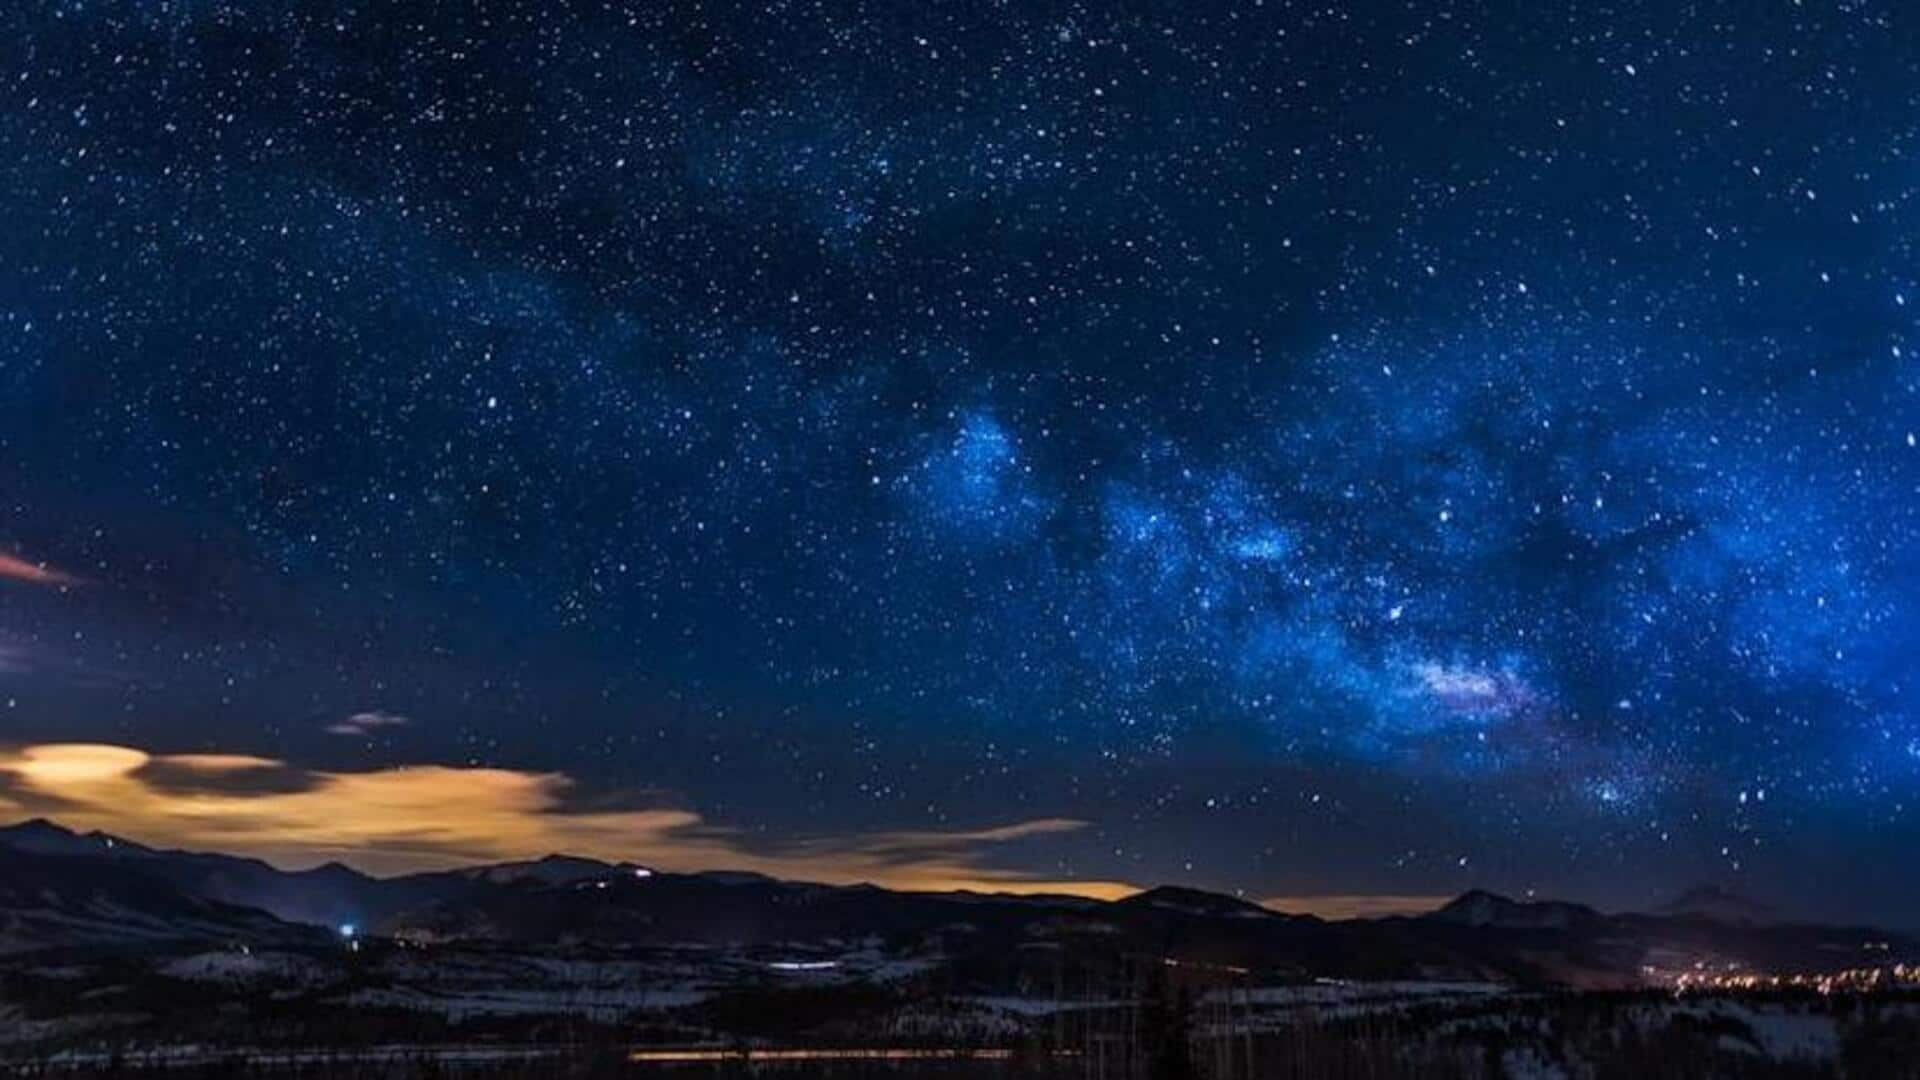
point(422, 817)
point(366, 723)
point(14, 568)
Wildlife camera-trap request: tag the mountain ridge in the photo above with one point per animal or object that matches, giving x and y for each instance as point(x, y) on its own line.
point(564, 902)
point(1717, 904)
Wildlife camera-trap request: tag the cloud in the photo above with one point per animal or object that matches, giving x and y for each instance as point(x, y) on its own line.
point(400, 819)
point(366, 723)
point(223, 774)
point(14, 568)
point(1355, 906)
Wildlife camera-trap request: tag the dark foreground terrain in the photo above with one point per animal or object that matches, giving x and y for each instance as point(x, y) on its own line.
point(118, 960)
point(1642, 1036)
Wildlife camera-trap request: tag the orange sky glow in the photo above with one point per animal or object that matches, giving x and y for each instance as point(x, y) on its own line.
point(425, 817)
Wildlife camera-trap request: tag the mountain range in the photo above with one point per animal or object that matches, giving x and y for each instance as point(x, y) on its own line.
point(62, 889)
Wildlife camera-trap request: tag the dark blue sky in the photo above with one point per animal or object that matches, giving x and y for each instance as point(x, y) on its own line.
point(1369, 450)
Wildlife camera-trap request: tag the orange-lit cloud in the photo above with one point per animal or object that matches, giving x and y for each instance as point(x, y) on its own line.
point(1355, 906)
point(14, 568)
point(399, 819)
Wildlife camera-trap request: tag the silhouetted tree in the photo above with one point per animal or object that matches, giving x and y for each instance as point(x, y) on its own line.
point(1166, 1030)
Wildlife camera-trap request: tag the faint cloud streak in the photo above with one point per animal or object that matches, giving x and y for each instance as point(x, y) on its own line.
point(366, 723)
point(14, 568)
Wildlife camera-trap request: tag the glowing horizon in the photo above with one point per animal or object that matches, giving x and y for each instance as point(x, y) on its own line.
point(458, 817)
point(409, 818)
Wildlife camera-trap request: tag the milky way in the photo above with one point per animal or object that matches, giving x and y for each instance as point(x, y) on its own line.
point(1352, 451)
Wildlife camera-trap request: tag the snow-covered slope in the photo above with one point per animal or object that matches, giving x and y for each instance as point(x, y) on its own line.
point(54, 901)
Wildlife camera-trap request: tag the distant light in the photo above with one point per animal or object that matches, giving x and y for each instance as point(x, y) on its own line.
point(803, 965)
point(642, 872)
point(348, 930)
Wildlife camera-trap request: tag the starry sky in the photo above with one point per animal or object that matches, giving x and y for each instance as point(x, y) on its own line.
point(1309, 450)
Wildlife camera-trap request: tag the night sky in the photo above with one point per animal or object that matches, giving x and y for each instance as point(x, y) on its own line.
point(1314, 451)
